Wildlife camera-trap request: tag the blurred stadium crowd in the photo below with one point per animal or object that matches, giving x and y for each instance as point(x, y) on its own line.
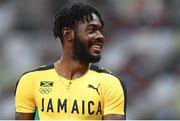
point(142, 47)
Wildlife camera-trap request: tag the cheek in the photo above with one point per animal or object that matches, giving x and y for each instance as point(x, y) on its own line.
point(85, 40)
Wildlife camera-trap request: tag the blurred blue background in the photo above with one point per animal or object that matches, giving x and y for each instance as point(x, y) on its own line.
point(142, 47)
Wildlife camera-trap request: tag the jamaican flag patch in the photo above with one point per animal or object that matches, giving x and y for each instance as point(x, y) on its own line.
point(46, 83)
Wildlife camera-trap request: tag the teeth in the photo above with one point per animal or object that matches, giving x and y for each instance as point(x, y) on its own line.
point(96, 46)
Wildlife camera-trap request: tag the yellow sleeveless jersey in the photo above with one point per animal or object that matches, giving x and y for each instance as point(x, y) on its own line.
point(89, 97)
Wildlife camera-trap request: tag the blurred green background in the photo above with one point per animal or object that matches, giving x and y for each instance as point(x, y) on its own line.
point(142, 47)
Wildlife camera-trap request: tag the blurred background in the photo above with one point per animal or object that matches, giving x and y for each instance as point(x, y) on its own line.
point(142, 47)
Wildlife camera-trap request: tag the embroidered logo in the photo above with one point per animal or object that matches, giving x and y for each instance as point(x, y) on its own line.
point(96, 88)
point(45, 87)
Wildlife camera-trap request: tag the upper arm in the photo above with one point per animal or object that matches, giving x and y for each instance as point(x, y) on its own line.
point(114, 117)
point(24, 116)
point(24, 96)
point(114, 99)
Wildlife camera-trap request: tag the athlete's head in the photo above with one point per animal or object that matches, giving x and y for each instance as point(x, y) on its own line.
point(81, 26)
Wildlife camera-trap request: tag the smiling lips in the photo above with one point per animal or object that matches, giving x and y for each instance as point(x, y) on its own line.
point(96, 47)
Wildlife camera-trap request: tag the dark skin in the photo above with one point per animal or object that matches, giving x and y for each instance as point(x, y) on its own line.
point(70, 67)
point(24, 116)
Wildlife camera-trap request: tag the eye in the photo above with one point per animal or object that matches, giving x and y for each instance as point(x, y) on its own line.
point(91, 30)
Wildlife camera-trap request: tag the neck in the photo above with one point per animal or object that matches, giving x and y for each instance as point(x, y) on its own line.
point(70, 69)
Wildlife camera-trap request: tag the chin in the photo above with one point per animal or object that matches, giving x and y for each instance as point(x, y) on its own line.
point(95, 58)
point(95, 53)
point(87, 57)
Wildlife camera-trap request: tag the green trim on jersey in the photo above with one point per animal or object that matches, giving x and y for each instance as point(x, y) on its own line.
point(36, 116)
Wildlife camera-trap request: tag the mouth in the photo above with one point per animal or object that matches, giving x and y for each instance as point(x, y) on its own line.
point(96, 48)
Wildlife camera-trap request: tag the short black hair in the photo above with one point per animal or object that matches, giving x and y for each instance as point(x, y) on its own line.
point(68, 17)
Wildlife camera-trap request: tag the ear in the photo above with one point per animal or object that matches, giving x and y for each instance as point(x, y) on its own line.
point(68, 34)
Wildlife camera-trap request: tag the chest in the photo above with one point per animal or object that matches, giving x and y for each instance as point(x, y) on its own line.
point(80, 98)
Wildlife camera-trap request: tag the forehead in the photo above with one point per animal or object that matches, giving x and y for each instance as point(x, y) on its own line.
point(95, 22)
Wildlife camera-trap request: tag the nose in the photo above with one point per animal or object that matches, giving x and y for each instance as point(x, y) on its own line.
point(99, 36)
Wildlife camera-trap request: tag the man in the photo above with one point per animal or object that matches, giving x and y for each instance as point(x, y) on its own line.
point(72, 88)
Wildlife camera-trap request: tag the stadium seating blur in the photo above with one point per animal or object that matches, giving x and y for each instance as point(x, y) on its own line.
point(142, 46)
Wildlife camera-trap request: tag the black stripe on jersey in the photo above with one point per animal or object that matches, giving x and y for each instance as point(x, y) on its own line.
point(99, 69)
point(102, 70)
point(41, 68)
point(125, 94)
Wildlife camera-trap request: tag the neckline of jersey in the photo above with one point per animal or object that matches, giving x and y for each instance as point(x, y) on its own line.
point(64, 78)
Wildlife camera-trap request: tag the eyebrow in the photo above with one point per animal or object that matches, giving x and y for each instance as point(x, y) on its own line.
point(96, 26)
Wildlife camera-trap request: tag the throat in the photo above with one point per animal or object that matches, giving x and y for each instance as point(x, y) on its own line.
point(78, 75)
point(70, 71)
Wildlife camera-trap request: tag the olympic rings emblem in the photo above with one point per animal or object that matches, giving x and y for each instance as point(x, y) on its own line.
point(45, 90)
